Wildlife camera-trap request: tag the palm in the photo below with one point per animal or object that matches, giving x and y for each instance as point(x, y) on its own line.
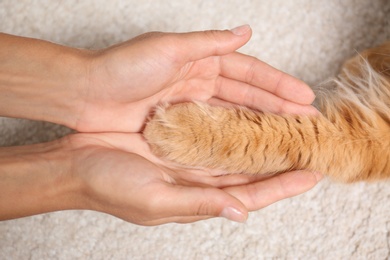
point(124, 184)
point(127, 181)
point(162, 82)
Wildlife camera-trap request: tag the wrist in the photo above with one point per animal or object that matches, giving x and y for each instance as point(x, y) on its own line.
point(40, 80)
point(37, 179)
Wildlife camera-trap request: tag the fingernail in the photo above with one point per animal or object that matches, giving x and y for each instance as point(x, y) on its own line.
point(233, 214)
point(241, 30)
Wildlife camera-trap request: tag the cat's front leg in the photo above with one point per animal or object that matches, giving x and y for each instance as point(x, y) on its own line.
point(234, 140)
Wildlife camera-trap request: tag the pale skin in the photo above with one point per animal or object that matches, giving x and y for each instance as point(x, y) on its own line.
point(107, 95)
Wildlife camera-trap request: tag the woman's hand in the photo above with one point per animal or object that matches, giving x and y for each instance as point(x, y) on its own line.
point(127, 80)
point(122, 178)
point(113, 90)
point(116, 174)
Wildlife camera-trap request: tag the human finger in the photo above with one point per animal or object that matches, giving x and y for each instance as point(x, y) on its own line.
point(184, 202)
point(241, 93)
point(261, 194)
point(256, 73)
point(202, 44)
point(175, 219)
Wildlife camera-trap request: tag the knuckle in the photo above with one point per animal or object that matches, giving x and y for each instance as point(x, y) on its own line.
point(204, 208)
point(214, 36)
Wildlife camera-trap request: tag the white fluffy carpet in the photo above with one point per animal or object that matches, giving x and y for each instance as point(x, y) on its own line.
point(306, 38)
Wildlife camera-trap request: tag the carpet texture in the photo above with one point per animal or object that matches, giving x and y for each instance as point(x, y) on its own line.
point(308, 39)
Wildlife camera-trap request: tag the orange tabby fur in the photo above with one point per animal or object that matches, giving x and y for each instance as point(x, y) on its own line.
point(349, 142)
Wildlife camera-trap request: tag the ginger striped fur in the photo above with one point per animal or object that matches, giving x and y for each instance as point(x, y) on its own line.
point(349, 141)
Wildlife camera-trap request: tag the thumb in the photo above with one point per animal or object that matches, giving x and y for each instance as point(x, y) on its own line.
point(195, 203)
point(199, 45)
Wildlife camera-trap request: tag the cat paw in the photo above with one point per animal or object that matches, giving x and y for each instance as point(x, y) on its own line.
point(174, 132)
